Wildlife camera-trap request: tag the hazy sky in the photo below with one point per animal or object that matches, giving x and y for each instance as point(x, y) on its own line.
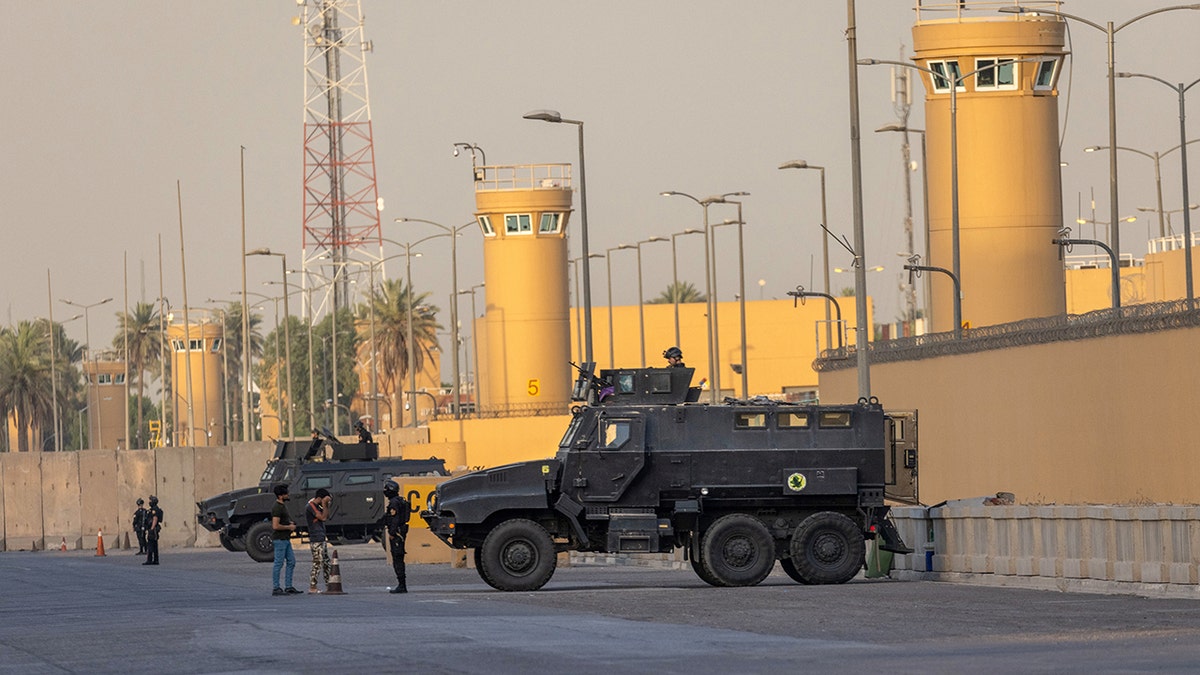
point(107, 104)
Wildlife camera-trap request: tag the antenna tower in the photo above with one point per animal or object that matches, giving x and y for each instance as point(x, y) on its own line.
point(341, 198)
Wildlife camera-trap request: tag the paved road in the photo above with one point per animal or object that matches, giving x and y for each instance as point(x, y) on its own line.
point(211, 611)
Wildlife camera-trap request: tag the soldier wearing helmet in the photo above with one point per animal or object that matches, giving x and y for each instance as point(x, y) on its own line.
point(396, 520)
point(153, 520)
point(139, 525)
point(674, 357)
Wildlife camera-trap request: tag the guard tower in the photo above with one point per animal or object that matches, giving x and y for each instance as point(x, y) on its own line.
point(107, 392)
point(1009, 181)
point(523, 212)
point(203, 343)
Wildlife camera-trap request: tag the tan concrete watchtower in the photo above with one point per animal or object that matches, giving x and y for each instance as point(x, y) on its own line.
point(523, 212)
point(1009, 182)
point(107, 393)
point(206, 348)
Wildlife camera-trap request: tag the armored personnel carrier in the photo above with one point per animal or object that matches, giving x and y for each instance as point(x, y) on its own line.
point(352, 472)
point(643, 468)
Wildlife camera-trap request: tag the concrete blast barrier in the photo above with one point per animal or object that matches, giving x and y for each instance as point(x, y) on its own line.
point(60, 498)
point(135, 479)
point(213, 475)
point(175, 478)
point(99, 508)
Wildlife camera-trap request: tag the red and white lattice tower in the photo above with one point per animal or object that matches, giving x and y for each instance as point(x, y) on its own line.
point(341, 199)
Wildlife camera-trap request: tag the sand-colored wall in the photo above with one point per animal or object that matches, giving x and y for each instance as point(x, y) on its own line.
point(99, 512)
point(22, 500)
point(1104, 420)
point(493, 442)
point(60, 499)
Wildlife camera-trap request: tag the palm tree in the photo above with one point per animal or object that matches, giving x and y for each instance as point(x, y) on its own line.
point(140, 332)
point(391, 303)
point(679, 291)
point(25, 387)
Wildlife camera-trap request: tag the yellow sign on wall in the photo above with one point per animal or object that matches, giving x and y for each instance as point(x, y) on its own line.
point(535, 387)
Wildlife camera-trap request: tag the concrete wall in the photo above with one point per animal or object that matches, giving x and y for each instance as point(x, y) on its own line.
point(1104, 420)
point(22, 500)
point(61, 499)
point(99, 511)
point(1123, 549)
point(494, 442)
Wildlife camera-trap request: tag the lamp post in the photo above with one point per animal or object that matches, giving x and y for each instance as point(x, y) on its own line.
point(579, 302)
point(954, 81)
point(1155, 157)
point(1110, 33)
point(224, 368)
point(57, 429)
point(475, 346)
point(905, 129)
point(801, 164)
point(641, 298)
point(915, 268)
point(452, 232)
point(1167, 213)
point(1063, 241)
point(476, 169)
point(710, 286)
point(412, 371)
point(554, 117)
point(1116, 261)
point(741, 298)
point(287, 336)
point(87, 329)
point(675, 278)
point(1181, 89)
point(612, 362)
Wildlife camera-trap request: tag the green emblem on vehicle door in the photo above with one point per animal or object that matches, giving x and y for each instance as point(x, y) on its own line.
point(796, 482)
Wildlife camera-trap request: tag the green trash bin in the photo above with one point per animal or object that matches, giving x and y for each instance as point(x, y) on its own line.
point(879, 562)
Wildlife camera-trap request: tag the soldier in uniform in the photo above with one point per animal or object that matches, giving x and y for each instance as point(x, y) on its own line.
point(139, 525)
point(364, 434)
point(153, 519)
point(674, 357)
point(396, 521)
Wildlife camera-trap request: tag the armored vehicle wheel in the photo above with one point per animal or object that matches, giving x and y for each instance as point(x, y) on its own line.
point(698, 566)
point(518, 555)
point(233, 544)
point(789, 568)
point(259, 544)
point(738, 550)
point(827, 548)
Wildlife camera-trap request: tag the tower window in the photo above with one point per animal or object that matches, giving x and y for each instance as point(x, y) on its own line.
point(119, 378)
point(946, 72)
point(521, 223)
point(485, 224)
point(995, 74)
point(177, 345)
point(216, 345)
point(1045, 75)
point(196, 344)
point(104, 378)
point(551, 223)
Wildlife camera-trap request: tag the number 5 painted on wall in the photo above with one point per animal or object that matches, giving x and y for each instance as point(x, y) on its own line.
point(534, 388)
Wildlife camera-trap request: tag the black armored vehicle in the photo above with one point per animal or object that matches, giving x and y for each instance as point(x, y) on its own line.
point(352, 472)
point(643, 468)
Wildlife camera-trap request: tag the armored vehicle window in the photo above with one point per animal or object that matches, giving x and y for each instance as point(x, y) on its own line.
point(659, 383)
point(835, 419)
point(624, 384)
point(360, 479)
point(616, 433)
point(315, 482)
point(793, 420)
point(750, 420)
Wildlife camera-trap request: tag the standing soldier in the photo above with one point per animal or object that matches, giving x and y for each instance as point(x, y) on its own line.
point(397, 530)
point(153, 519)
point(139, 525)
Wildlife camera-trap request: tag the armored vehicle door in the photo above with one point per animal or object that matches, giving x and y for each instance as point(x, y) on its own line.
point(900, 460)
point(618, 456)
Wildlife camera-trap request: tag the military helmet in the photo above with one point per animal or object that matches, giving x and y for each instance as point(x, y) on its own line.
point(153, 500)
point(140, 501)
point(391, 488)
point(673, 353)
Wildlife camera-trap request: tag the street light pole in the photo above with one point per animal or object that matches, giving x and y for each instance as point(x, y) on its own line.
point(675, 278)
point(287, 337)
point(1110, 35)
point(87, 329)
point(741, 297)
point(612, 361)
point(554, 117)
point(641, 298)
point(801, 164)
point(1181, 89)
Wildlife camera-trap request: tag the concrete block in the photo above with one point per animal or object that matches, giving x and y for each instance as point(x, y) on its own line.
point(417, 491)
point(1181, 573)
point(249, 461)
point(1153, 573)
point(1025, 567)
point(135, 480)
point(1096, 512)
point(979, 564)
point(1074, 568)
point(213, 475)
point(453, 453)
point(1100, 568)
point(1123, 571)
point(175, 477)
point(99, 510)
point(60, 499)
point(1048, 567)
point(23, 501)
point(954, 563)
point(1005, 565)
point(423, 547)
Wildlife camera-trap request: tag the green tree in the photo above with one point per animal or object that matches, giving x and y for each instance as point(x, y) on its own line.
point(685, 291)
point(25, 385)
point(141, 331)
point(391, 302)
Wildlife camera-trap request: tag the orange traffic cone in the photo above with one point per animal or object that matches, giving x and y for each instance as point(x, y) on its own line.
point(99, 543)
point(64, 545)
point(334, 587)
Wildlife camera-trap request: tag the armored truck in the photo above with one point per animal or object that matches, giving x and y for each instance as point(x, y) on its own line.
point(645, 468)
point(352, 472)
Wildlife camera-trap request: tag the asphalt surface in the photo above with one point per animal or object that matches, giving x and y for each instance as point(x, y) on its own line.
point(205, 611)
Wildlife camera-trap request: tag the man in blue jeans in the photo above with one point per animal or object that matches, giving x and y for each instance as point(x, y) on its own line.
point(282, 528)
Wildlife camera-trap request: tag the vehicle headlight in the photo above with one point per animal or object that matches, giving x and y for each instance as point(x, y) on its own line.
point(431, 501)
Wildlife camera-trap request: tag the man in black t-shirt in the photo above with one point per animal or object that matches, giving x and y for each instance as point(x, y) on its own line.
point(282, 528)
